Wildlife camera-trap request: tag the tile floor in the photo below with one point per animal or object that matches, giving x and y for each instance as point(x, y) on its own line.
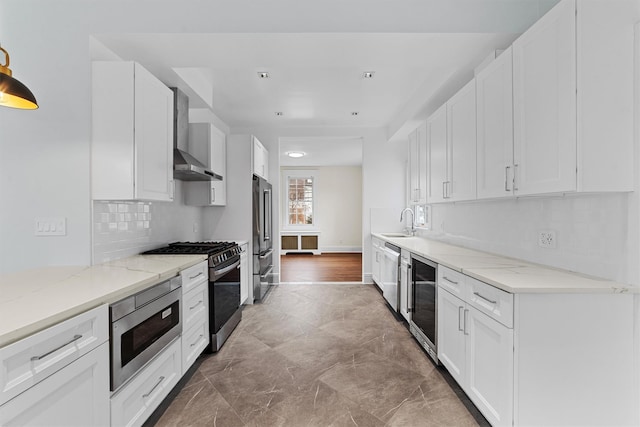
point(320, 355)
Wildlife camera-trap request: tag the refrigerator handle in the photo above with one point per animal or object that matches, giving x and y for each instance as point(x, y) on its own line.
point(267, 214)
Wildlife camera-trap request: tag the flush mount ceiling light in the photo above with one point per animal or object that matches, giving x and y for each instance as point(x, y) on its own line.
point(368, 74)
point(296, 154)
point(12, 92)
point(263, 74)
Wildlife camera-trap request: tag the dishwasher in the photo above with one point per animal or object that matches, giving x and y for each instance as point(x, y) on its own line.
point(391, 276)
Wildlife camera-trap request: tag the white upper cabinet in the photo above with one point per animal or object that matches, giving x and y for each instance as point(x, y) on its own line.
point(461, 144)
point(207, 144)
point(451, 148)
point(437, 155)
point(573, 99)
point(418, 165)
point(260, 159)
point(132, 134)
point(544, 102)
point(494, 112)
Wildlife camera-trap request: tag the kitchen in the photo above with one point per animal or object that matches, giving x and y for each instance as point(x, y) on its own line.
point(597, 234)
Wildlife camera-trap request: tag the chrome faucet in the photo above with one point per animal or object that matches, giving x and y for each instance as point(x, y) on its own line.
point(413, 219)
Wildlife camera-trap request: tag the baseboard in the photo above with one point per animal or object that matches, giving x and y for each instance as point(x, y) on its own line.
point(324, 249)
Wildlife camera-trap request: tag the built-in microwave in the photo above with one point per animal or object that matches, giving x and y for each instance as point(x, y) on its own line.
point(423, 292)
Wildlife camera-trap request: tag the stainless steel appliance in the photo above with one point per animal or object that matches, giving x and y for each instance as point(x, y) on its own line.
point(141, 326)
point(390, 276)
point(262, 238)
point(224, 284)
point(423, 303)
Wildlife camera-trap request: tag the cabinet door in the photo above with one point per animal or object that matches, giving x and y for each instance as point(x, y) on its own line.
point(153, 134)
point(451, 335)
point(437, 155)
point(461, 144)
point(260, 159)
point(77, 395)
point(418, 165)
point(489, 367)
point(494, 101)
point(218, 165)
point(544, 104)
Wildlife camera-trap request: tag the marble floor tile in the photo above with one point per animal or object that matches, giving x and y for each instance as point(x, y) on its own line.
point(319, 355)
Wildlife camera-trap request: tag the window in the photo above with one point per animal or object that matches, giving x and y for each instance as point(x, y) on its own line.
point(300, 200)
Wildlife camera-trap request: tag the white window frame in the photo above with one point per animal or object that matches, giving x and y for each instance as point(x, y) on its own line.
point(299, 173)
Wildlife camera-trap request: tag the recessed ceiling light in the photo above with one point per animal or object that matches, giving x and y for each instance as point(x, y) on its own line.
point(279, 113)
point(354, 113)
point(368, 74)
point(263, 74)
point(296, 154)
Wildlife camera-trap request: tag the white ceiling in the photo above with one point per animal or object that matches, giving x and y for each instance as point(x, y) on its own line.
point(314, 79)
point(321, 152)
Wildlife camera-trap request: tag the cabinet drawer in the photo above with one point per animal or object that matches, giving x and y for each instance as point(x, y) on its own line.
point(492, 301)
point(29, 361)
point(452, 281)
point(194, 341)
point(76, 395)
point(132, 405)
point(195, 305)
point(194, 275)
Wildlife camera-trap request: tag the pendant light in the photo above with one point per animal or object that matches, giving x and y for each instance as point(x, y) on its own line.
point(12, 92)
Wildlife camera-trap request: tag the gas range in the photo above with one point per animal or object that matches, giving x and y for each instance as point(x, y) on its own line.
point(218, 252)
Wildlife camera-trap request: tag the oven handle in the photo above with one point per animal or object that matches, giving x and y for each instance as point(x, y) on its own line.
point(219, 273)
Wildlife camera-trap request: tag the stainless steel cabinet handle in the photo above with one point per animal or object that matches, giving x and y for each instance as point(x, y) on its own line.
point(460, 308)
point(506, 178)
point(485, 298)
point(444, 194)
point(194, 306)
point(197, 340)
point(449, 280)
point(193, 277)
point(515, 170)
point(466, 312)
point(154, 387)
point(74, 339)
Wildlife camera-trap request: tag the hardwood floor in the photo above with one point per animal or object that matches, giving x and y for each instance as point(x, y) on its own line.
point(328, 267)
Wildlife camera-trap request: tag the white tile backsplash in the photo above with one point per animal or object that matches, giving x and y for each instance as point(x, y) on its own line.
point(591, 230)
point(125, 228)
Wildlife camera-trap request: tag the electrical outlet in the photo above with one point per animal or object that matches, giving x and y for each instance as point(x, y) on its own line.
point(53, 226)
point(547, 239)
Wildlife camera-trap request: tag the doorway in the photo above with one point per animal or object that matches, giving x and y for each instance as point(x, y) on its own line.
point(320, 221)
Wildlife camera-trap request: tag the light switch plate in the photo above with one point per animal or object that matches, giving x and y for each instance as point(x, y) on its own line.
point(51, 226)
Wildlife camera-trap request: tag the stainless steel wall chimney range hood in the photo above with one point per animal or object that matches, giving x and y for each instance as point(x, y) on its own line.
point(185, 166)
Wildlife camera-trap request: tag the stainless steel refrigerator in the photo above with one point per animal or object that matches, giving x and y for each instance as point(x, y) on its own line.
point(262, 238)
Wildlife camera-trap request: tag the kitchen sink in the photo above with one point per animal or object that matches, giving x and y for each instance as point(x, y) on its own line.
point(395, 235)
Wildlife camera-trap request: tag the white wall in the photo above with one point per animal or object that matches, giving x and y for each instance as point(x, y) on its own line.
point(337, 206)
point(591, 230)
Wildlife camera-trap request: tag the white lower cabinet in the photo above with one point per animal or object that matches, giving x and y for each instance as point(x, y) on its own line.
point(135, 401)
point(405, 279)
point(77, 395)
point(476, 349)
point(195, 318)
point(244, 273)
point(377, 246)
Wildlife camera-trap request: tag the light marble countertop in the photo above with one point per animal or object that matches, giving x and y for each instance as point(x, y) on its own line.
point(36, 299)
point(509, 274)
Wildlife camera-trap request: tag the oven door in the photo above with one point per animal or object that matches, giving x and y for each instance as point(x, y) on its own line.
point(224, 292)
point(137, 337)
